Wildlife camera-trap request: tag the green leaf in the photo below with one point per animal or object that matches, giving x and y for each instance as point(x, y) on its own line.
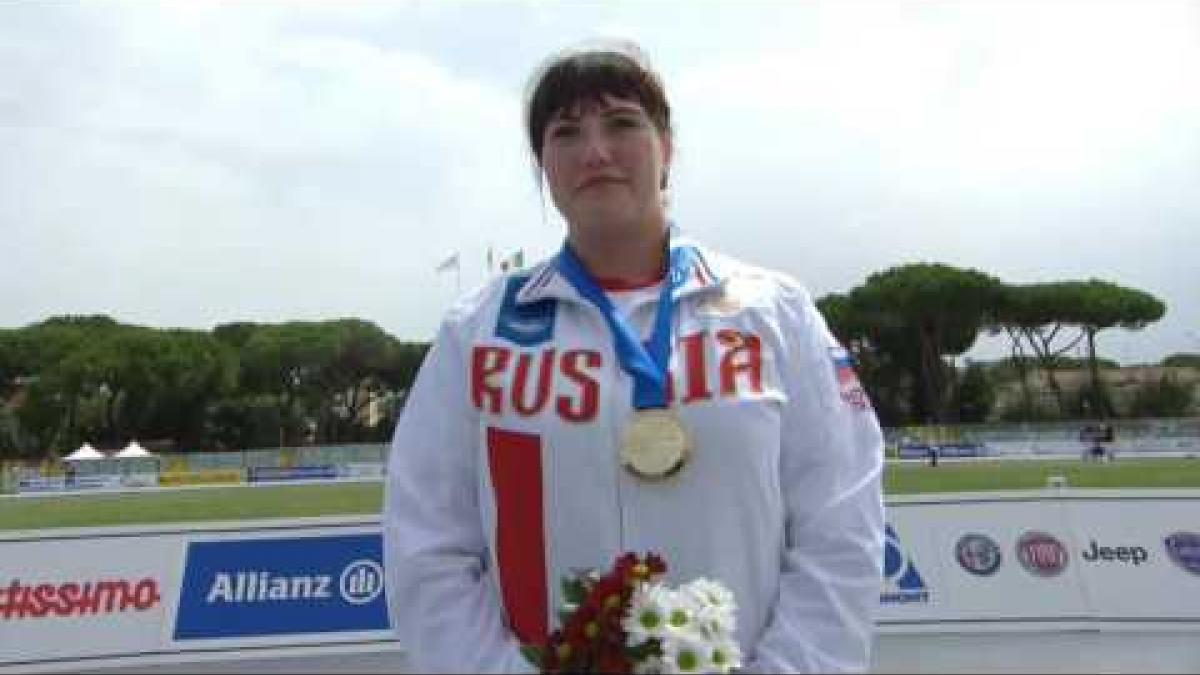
point(535, 654)
point(645, 650)
point(574, 591)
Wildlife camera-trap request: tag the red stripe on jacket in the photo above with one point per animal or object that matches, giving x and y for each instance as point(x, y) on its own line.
point(515, 460)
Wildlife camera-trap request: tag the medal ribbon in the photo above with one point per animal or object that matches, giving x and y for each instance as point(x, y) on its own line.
point(645, 363)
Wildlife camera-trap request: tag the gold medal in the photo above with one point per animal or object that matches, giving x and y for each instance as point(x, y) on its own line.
point(656, 444)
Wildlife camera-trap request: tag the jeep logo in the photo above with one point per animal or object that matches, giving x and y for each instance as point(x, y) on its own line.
point(1129, 555)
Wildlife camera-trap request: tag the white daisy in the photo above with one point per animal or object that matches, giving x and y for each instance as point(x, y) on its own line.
point(681, 613)
point(710, 593)
point(686, 653)
point(726, 656)
point(714, 607)
point(713, 622)
point(648, 611)
point(651, 665)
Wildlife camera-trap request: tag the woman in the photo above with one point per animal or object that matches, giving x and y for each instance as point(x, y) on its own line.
point(636, 392)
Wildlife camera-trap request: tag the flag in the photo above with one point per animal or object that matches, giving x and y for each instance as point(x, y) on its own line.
point(448, 263)
point(514, 261)
point(843, 367)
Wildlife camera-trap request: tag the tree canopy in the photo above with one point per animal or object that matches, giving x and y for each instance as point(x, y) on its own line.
point(912, 316)
point(903, 322)
point(71, 379)
point(1052, 318)
point(242, 385)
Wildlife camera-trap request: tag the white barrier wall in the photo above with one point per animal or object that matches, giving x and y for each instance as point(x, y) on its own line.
point(1055, 581)
point(1016, 578)
point(1122, 447)
point(1065, 556)
point(79, 599)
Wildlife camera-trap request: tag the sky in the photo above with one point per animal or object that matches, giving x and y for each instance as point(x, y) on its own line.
point(193, 163)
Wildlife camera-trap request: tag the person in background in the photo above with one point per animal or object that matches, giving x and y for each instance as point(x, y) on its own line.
point(1093, 437)
point(636, 391)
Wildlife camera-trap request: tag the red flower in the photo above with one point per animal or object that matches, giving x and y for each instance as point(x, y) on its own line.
point(613, 661)
point(575, 632)
point(657, 565)
point(631, 569)
point(552, 661)
point(609, 594)
point(591, 639)
point(623, 567)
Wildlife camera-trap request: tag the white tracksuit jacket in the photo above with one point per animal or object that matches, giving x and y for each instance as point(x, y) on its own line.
point(505, 476)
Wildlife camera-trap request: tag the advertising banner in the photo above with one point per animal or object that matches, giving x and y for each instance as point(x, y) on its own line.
point(260, 474)
point(282, 586)
point(121, 592)
point(99, 481)
point(72, 597)
point(923, 450)
point(362, 470)
point(952, 563)
point(1139, 559)
point(202, 477)
point(51, 484)
point(980, 560)
point(139, 479)
point(1041, 557)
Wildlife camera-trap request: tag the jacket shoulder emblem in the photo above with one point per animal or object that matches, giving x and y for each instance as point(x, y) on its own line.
point(525, 324)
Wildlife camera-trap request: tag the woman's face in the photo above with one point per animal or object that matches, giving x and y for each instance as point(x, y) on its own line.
point(604, 163)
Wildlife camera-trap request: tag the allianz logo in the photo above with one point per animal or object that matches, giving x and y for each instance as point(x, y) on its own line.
point(359, 583)
point(1128, 555)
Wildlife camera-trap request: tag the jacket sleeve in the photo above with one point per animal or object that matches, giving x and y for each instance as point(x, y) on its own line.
point(831, 465)
point(442, 597)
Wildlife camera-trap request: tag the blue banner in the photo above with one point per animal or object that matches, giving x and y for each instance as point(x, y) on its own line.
point(261, 474)
point(922, 450)
point(55, 484)
point(282, 586)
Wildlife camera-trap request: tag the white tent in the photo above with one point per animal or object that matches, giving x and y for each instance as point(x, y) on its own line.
point(133, 450)
point(85, 451)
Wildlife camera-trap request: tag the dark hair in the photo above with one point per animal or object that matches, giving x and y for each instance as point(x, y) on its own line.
point(586, 76)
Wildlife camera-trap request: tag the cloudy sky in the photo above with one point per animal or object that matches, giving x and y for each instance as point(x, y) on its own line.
point(194, 162)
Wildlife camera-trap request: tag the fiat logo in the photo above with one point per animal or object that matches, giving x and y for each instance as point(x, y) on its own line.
point(1041, 554)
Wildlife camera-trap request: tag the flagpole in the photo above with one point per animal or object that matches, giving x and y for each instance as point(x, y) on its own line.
point(454, 260)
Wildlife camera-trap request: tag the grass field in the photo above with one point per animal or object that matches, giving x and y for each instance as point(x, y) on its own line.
point(985, 475)
point(287, 501)
point(177, 506)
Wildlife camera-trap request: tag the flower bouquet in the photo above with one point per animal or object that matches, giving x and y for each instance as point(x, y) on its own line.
point(629, 621)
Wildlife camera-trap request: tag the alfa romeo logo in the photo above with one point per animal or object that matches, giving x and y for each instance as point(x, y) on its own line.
point(978, 554)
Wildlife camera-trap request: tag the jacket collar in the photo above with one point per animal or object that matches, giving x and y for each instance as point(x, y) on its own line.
point(707, 271)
